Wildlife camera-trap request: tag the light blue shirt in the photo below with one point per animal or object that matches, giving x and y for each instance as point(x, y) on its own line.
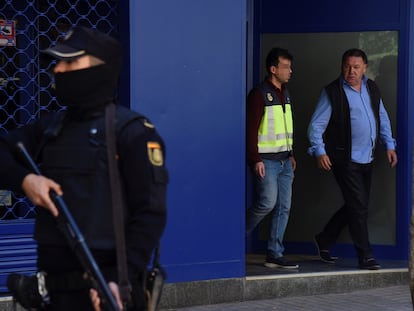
point(363, 125)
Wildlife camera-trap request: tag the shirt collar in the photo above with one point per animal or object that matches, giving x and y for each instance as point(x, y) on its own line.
point(267, 80)
point(343, 82)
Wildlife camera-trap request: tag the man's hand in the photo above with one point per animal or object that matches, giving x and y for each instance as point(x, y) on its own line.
point(259, 169)
point(392, 158)
point(324, 162)
point(96, 301)
point(37, 188)
point(293, 160)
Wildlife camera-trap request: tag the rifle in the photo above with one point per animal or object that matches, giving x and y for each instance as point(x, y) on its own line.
point(76, 241)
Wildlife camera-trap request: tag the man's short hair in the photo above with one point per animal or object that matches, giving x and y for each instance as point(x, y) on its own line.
point(272, 58)
point(356, 53)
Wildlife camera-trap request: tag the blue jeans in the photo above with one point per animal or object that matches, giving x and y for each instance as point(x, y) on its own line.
point(273, 194)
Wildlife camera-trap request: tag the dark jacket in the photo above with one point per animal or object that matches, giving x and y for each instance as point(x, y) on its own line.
point(77, 160)
point(337, 136)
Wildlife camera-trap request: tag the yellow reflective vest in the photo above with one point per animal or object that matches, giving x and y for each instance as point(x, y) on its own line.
point(276, 128)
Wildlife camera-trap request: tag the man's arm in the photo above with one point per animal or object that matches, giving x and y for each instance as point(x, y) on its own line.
point(145, 177)
point(12, 171)
point(318, 124)
point(316, 129)
point(14, 167)
point(385, 133)
point(16, 175)
point(37, 188)
point(254, 114)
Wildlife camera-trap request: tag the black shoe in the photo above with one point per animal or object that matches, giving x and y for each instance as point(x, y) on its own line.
point(279, 262)
point(369, 264)
point(324, 254)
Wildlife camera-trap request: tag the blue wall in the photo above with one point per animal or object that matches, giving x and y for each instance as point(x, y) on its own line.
point(188, 76)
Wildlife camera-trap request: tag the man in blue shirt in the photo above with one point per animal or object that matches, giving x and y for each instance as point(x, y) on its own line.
point(348, 121)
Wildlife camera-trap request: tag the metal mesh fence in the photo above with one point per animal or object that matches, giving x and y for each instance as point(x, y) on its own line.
point(26, 82)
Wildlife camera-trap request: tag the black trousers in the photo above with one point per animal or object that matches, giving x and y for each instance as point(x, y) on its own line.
point(354, 181)
point(67, 288)
point(69, 291)
point(70, 300)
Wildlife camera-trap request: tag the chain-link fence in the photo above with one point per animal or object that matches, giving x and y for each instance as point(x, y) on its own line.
point(26, 83)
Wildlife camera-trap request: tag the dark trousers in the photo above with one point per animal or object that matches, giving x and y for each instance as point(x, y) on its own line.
point(69, 291)
point(67, 288)
point(70, 300)
point(354, 181)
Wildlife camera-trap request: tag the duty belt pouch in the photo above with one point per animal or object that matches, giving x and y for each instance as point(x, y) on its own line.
point(29, 291)
point(156, 275)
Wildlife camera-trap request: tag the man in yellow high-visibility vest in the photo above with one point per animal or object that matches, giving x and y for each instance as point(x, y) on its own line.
point(270, 154)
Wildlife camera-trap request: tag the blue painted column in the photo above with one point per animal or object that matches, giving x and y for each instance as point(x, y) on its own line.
point(187, 64)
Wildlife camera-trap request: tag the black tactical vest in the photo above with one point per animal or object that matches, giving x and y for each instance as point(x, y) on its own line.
point(267, 90)
point(337, 136)
point(77, 160)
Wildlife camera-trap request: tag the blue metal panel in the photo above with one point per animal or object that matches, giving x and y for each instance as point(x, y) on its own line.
point(328, 15)
point(406, 126)
point(188, 77)
point(17, 250)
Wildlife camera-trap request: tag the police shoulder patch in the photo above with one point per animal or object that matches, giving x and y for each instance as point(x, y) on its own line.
point(155, 154)
point(269, 97)
point(148, 124)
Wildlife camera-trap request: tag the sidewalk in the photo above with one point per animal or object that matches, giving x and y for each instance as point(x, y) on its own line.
point(314, 286)
point(394, 298)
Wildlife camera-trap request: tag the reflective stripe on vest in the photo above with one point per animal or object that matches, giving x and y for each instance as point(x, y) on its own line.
point(276, 129)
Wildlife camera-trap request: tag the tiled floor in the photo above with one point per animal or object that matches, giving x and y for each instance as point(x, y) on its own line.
point(395, 298)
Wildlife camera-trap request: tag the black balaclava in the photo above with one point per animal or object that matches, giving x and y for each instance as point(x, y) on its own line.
point(88, 90)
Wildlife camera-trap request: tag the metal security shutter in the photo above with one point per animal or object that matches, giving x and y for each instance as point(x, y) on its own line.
point(17, 250)
point(26, 91)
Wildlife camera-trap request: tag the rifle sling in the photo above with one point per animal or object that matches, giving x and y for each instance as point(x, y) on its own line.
point(117, 204)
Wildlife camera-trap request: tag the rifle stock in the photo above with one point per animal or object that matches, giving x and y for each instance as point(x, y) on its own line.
point(76, 241)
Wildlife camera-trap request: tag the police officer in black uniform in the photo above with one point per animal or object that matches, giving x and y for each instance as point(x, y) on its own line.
point(70, 147)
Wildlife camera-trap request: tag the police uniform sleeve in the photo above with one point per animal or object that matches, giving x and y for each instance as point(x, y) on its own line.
point(13, 168)
point(145, 178)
